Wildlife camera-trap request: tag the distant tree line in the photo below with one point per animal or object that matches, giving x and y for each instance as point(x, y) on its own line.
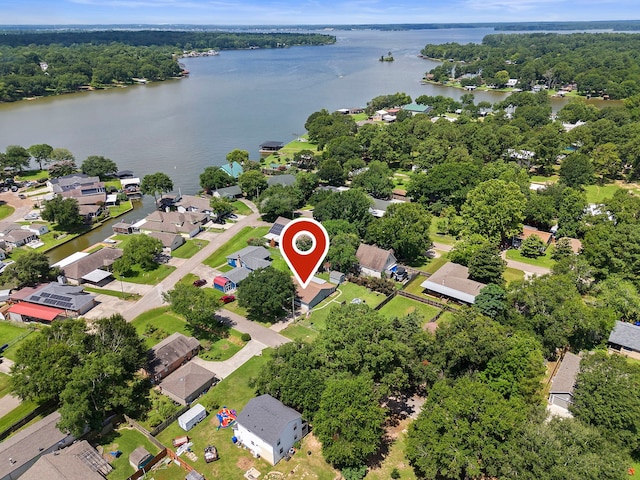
point(603, 63)
point(36, 64)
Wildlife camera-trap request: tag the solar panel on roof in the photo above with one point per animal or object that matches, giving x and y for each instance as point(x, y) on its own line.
point(44, 294)
point(276, 229)
point(65, 304)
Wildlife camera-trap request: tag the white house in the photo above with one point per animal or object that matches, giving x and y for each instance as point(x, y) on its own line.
point(375, 261)
point(269, 428)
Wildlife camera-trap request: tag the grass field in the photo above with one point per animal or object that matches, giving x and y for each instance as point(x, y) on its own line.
point(543, 261)
point(400, 306)
point(13, 334)
point(5, 384)
point(433, 264)
point(190, 248)
point(436, 237)
point(239, 241)
point(132, 297)
point(163, 319)
point(152, 277)
point(18, 413)
point(126, 440)
point(395, 458)
point(597, 193)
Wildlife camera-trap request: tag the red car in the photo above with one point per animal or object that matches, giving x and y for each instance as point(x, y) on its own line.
point(200, 282)
point(227, 298)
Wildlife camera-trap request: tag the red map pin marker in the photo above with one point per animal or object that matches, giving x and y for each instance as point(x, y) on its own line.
point(304, 263)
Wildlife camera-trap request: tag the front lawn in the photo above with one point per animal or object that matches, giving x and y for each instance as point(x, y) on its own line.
point(5, 384)
point(18, 413)
point(164, 321)
point(6, 210)
point(543, 261)
point(400, 306)
point(241, 208)
point(189, 248)
point(345, 293)
point(238, 242)
point(432, 264)
point(132, 297)
point(152, 277)
point(437, 237)
point(120, 209)
point(223, 349)
point(125, 439)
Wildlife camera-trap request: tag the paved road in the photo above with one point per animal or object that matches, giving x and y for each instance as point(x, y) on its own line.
point(525, 267)
point(153, 298)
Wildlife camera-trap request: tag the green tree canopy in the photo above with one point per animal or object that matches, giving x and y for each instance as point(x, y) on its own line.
point(405, 228)
point(63, 211)
point(41, 152)
point(267, 294)
point(213, 178)
point(494, 209)
point(195, 304)
point(99, 166)
point(16, 157)
point(349, 421)
point(375, 180)
point(156, 183)
point(252, 183)
point(351, 206)
point(30, 268)
point(141, 251)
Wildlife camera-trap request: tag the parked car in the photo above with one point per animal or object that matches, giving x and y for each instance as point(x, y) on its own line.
point(32, 216)
point(200, 282)
point(228, 298)
point(22, 196)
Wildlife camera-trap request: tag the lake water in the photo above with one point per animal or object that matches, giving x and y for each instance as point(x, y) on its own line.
point(238, 99)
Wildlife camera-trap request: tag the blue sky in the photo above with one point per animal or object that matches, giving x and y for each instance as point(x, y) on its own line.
point(289, 12)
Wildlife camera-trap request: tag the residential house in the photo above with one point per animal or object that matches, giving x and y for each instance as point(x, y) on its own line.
point(28, 312)
point(527, 231)
point(230, 193)
point(625, 339)
point(187, 224)
point(80, 461)
point(93, 268)
point(123, 228)
point(168, 355)
point(452, 281)
point(20, 451)
point(512, 82)
point(170, 241)
point(18, 237)
point(187, 383)
point(375, 261)
point(416, 108)
point(563, 384)
point(89, 212)
point(73, 300)
point(250, 258)
point(269, 428)
point(234, 170)
point(38, 228)
point(286, 180)
point(191, 203)
point(276, 230)
point(313, 294)
point(70, 182)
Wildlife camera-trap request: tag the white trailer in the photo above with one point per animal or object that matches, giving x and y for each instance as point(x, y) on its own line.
point(192, 417)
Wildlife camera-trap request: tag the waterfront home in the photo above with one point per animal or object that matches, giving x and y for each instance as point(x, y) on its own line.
point(191, 203)
point(170, 241)
point(268, 428)
point(286, 180)
point(124, 228)
point(230, 193)
point(69, 182)
point(234, 170)
point(416, 108)
point(187, 224)
point(94, 268)
point(270, 146)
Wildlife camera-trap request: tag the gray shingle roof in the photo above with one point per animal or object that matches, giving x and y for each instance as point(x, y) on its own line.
point(80, 461)
point(266, 417)
point(565, 379)
point(237, 275)
point(186, 380)
point(250, 252)
point(68, 297)
point(626, 335)
point(286, 180)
